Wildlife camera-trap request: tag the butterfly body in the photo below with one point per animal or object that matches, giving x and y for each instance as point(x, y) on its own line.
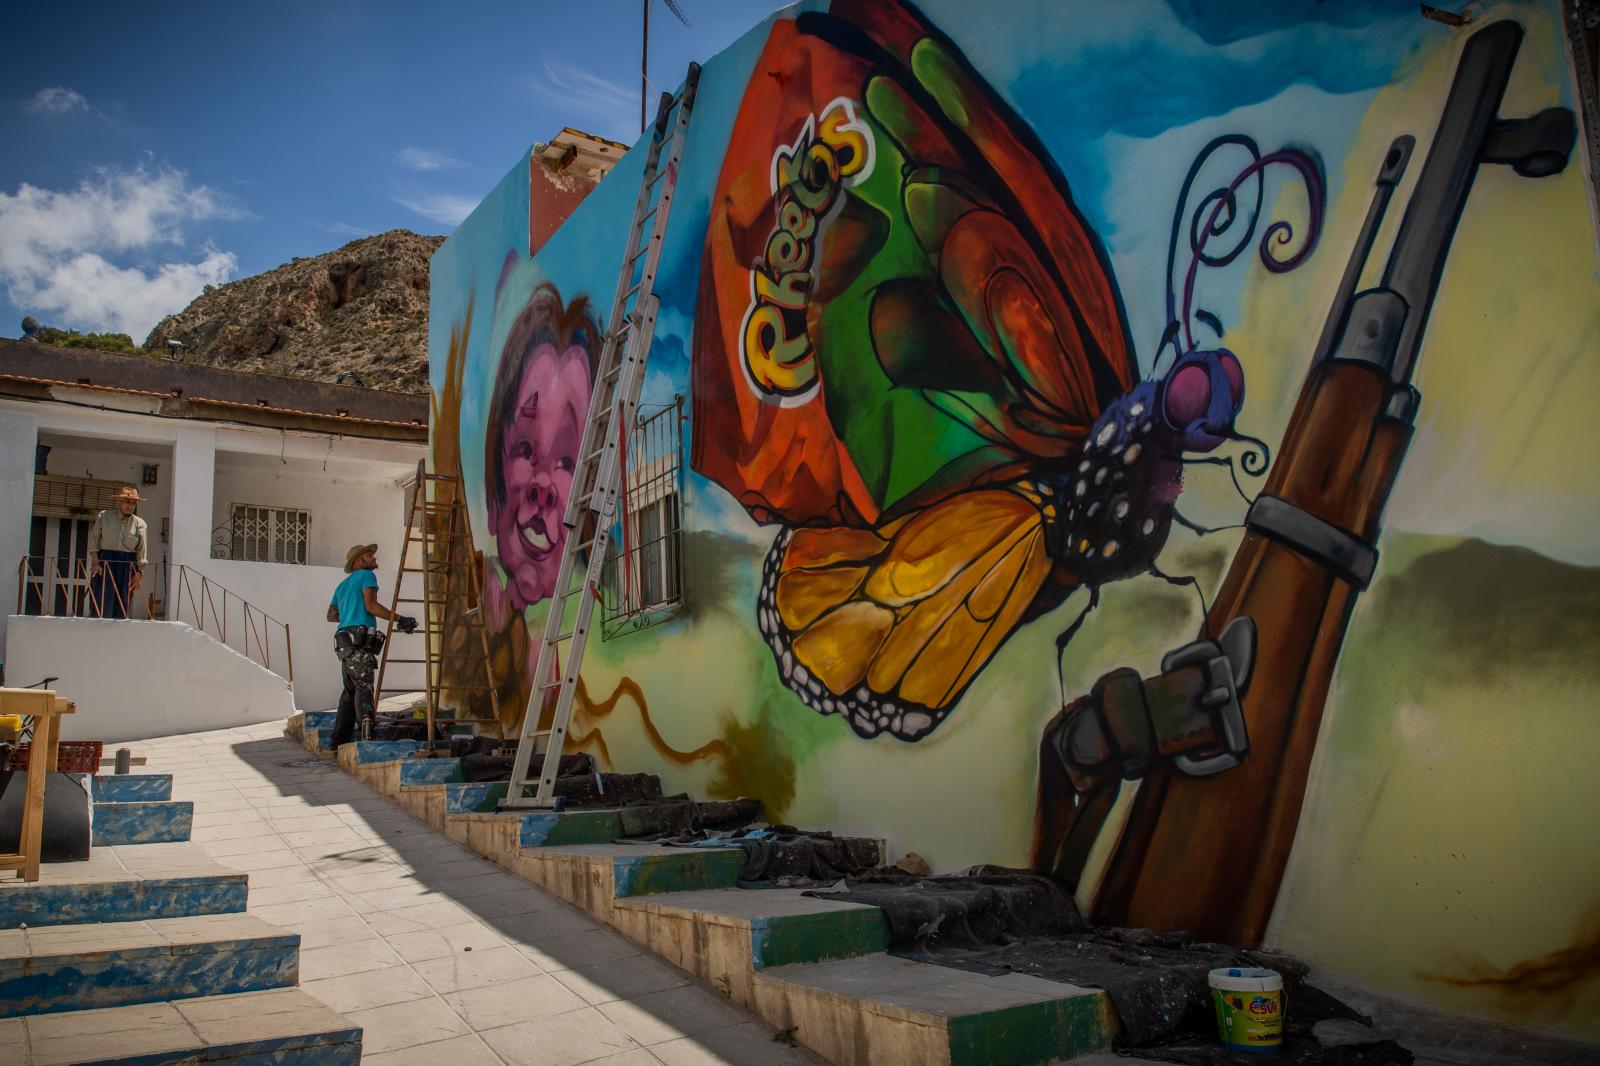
point(1109, 513)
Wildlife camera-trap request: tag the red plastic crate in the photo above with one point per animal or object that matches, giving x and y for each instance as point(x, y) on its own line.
point(72, 756)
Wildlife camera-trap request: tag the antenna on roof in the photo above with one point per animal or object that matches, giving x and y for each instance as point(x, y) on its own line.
point(644, 53)
point(175, 350)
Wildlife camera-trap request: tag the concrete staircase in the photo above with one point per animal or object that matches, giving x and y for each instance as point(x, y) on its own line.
point(815, 968)
point(139, 809)
point(143, 954)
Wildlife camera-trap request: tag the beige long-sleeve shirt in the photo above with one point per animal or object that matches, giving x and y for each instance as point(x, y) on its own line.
point(117, 532)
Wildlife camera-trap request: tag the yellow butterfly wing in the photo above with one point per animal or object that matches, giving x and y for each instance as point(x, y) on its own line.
point(889, 626)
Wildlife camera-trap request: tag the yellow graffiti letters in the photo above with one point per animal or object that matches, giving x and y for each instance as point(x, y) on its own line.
point(807, 177)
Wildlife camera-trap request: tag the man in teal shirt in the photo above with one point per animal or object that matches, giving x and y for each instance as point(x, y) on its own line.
point(356, 642)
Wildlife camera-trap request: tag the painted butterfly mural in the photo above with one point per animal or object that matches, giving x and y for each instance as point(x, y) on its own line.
point(911, 355)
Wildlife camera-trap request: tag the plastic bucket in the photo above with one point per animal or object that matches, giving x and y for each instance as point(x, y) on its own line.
point(1249, 1005)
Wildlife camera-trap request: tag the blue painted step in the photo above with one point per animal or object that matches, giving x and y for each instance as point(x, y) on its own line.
point(320, 719)
point(430, 772)
point(129, 884)
point(477, 797)
point(84, 967)
point(131, 788)
point(374, 751)
point(278, 1027)
point(157, 822)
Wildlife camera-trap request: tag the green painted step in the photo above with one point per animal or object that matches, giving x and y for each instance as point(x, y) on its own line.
point(879, 1010)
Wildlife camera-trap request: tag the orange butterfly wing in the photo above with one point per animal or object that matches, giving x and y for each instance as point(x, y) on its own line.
point(888, 626)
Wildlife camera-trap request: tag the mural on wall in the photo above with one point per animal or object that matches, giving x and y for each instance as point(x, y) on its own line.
point(925, 311)
point(1046, 501)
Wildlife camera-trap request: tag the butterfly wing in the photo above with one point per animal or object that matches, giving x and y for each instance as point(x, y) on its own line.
point(889, 626)
point(951, 319)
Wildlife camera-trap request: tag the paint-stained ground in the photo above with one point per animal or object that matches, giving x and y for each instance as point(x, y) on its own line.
point(438, 954)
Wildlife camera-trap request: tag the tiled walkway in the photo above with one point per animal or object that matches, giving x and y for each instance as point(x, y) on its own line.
point(441, 956)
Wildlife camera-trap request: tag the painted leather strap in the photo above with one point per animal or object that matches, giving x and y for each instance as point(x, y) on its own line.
point(1338, 550)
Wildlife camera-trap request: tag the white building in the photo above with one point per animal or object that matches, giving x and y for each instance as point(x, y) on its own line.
point(254, 487)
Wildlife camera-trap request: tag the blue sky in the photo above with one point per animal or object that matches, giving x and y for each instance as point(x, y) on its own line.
point(151, 150)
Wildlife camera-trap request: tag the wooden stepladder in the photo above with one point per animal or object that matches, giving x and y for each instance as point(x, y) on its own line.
point(438, 549)
point(46, 709)
point(591, 505)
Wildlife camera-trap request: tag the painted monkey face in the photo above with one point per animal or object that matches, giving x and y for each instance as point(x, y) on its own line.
point(538, 455)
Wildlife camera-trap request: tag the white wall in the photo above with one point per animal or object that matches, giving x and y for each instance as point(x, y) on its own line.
point(299, 595)
point(136, 680)
point(356, 501)
point(359, 499)
point(123, 461)
point(19, 432)
point(351, 502)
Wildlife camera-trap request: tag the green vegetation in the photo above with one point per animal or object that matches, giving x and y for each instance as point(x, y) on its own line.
point(102, 342)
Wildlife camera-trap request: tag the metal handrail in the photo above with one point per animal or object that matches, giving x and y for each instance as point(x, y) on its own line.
point(256, 637)
point(53, 578)
point(57, 586)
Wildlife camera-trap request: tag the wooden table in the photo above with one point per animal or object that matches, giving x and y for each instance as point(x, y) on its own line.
point(45, 707)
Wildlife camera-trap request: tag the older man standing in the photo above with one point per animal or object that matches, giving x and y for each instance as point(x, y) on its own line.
point(117, 550)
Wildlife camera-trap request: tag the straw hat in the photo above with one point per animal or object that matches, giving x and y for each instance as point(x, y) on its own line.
point(127, 492)
point(355, 553)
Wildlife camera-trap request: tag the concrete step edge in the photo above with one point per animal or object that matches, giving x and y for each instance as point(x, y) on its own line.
point(284, 1026)
point(862, 1010)
point(57, 969)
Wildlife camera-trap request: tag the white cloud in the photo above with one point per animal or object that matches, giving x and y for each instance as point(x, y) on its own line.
point(87, 289)
point(617, 106)
point(425, 158)
point(56, 100)
point(439, 207)
point(57, 249)
point(344, 229)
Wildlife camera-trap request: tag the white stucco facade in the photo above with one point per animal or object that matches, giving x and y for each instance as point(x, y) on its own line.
point(353, 489)
point(150, 679)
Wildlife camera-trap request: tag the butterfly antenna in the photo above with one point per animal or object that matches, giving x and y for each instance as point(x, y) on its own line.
point(1066, 636)
point(1169, 337)
point(1192, 582)
point(1211, 320)
point(1256, 457)
point(1233, 473)
point(1199, 530)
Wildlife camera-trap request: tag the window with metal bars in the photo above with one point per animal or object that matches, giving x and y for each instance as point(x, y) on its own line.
point(643, 581)
point(269, 534)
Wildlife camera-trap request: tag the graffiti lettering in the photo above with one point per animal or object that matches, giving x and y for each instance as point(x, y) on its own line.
point(830, 154)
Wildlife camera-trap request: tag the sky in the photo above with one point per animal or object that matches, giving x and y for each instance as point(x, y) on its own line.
point(151, 150)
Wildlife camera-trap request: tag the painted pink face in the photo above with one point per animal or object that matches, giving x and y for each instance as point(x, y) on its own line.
point(538, 455)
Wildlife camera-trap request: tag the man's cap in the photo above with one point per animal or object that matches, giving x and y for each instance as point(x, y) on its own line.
point(127, 492)
point(355, 553)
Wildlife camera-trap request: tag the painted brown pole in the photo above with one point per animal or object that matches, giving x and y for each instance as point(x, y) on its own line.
point(1208, 854)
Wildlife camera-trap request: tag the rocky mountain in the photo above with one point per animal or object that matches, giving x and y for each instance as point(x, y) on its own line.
point(361, 309)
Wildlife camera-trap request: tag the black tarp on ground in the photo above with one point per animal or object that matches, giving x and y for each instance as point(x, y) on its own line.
point(480, 766)
point(995, 920)
point(673, 816)
point(987, 906)
point(781, 856)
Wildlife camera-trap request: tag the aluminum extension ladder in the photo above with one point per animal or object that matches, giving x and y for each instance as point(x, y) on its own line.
point(591, 505)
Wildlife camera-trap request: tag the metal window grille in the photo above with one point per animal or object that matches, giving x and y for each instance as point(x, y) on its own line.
point(643, 582)
point(269, 534)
